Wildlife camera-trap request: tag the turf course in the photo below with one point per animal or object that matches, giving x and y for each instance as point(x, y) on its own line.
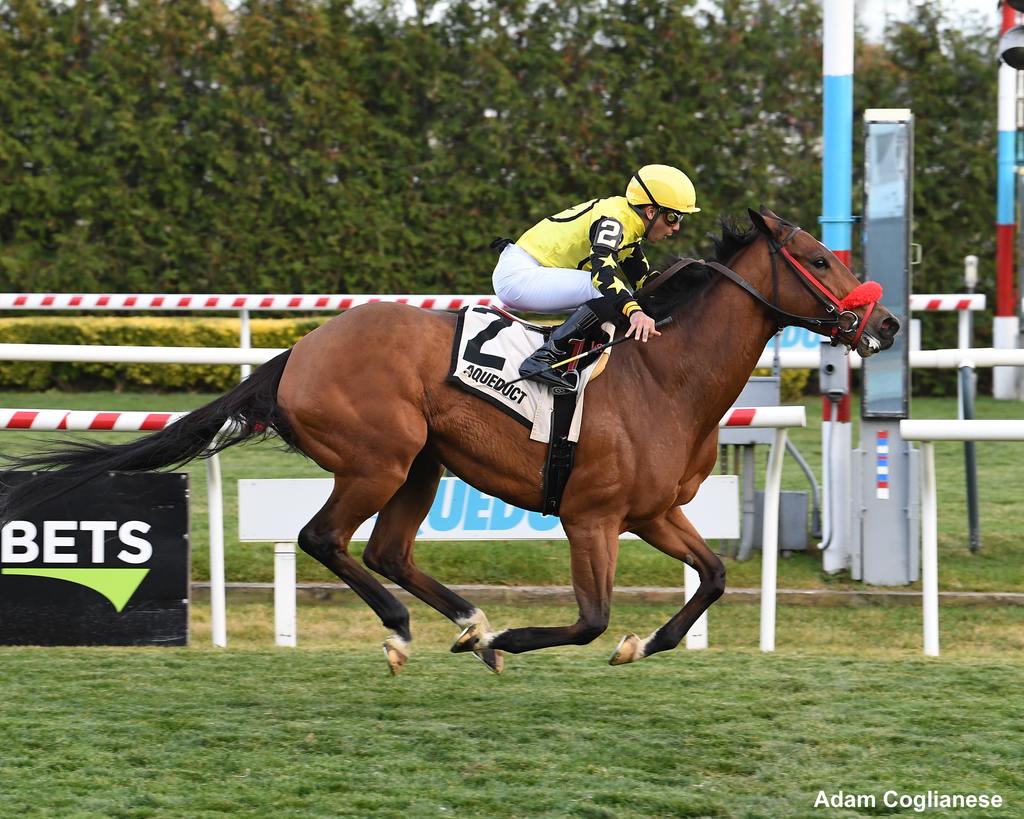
point(846, 703)
point(323, 731)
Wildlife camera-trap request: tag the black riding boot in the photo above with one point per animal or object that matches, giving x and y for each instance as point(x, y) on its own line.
point(556, 349)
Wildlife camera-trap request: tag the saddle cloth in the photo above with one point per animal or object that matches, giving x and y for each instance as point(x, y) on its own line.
point(489, 346)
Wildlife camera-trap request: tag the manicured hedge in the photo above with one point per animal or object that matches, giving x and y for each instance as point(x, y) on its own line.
point(336, 146)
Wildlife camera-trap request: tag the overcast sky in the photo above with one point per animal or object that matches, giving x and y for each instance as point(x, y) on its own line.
point(873, 13)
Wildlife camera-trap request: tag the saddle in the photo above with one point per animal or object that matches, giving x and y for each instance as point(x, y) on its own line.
point(488, 346)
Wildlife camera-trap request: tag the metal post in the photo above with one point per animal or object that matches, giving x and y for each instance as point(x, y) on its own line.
point(697, 636)
point(770, 540)
point(284, 594)
point(215, 501)
point(970, 282)
point(749, 504)
point(967, 382)
point(929, 551)
point(245, 340)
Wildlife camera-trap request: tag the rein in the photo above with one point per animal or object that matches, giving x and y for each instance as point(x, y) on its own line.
point(837, 312)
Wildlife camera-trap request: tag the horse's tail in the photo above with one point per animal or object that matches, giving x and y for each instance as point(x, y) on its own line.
point(250, 410)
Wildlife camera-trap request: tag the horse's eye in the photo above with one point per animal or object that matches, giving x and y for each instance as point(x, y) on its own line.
point(820, 263)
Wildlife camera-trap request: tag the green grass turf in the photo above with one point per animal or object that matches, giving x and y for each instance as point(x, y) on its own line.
point(324, 731)
point(999, 566)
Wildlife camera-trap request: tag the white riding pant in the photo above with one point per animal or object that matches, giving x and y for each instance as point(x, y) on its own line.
point(523, 283)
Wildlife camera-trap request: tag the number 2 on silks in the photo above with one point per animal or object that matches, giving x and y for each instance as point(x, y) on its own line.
point(475, 355)
point(609, 234)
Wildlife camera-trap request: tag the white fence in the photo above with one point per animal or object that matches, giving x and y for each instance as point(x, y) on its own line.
point(792, 357)
point(799, 359)
point(241, 303)
point(927, 432)
point(778, 418)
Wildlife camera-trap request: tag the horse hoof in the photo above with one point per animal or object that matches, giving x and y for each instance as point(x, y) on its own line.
point(396, 651)
point(492, 658)
point(628, 650)
point(467, 641)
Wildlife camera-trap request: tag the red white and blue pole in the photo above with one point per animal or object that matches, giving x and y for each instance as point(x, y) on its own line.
point(837, 232)
point(1006, 325)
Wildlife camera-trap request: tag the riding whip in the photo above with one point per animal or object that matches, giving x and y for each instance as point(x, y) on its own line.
point(599, 348)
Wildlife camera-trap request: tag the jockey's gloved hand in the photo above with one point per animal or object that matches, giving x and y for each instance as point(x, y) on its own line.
point(641, 326)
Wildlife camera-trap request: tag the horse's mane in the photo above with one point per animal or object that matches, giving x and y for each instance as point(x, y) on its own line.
point(733, 239)
point(690, 283)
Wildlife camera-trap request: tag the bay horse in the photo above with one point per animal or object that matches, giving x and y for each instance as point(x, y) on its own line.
point(365, 396)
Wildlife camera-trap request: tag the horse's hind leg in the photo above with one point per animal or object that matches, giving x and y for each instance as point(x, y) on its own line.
point(390, 550)
point(326, 538)
point(674, 535)
point(593, 552)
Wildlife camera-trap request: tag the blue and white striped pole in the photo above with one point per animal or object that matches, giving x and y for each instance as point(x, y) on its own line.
point(837, 232)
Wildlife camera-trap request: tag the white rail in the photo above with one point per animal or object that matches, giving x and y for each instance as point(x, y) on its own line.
point(99, 353)
point(946, 359)
point(242, 303)
point(927, 432)
point(112, 354)
point(947, 302)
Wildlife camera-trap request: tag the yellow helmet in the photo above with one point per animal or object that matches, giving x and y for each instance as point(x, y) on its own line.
point(662, 186)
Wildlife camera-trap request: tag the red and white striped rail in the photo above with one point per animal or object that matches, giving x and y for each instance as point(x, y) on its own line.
point(41, 420)
point(116, 421)
point(764, 417)
point(84, 420)
point(230, 302)
point(945, 302)
point(336, 301)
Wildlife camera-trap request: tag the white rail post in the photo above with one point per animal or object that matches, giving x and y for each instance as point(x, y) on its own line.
point(697, 636)
point(218, 603)
point(285, 631)
point(245, 340)
point(770, 540)
point(929, 550)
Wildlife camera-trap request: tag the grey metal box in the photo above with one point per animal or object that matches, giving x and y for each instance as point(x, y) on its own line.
point(792, 521)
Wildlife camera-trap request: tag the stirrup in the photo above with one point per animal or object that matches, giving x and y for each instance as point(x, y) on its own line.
point(563, 382)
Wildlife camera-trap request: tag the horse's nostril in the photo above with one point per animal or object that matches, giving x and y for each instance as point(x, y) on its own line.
point(890, 327)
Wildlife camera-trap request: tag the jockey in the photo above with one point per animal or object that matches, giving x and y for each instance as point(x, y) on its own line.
point(588, 259)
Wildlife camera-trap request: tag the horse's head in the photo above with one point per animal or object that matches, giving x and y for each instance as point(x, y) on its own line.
point(809, 281)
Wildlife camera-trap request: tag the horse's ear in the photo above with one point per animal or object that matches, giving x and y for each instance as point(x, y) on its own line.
point(757, 220)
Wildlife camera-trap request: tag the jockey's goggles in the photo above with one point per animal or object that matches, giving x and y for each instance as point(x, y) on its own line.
point(672, 216)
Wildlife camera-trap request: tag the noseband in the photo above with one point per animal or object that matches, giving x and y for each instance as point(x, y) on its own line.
point(837, 312)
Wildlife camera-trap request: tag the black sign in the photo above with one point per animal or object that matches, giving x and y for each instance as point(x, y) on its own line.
point(106, 563)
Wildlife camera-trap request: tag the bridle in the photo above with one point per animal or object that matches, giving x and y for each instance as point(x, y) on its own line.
point(839, 317)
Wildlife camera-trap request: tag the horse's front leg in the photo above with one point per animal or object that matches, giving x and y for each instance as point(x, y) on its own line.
point(594, 549)
point(674, 535)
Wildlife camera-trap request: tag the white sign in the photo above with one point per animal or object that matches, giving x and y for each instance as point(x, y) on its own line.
point(795, 338)
point(275, 510)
